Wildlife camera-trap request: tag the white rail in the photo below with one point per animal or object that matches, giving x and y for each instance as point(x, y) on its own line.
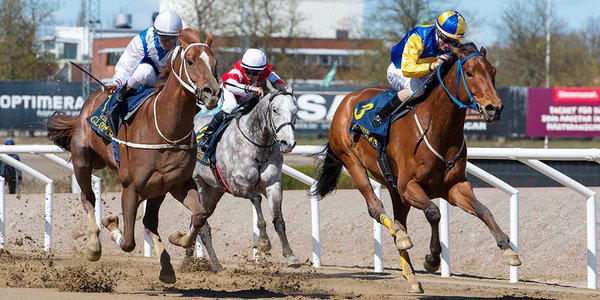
point(530, 157)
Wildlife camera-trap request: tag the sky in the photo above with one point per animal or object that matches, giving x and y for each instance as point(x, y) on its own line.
point(487, 13)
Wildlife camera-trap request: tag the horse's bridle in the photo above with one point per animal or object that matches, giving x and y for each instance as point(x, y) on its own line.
point(271, 124)
point(460, 74)
point(189, 85)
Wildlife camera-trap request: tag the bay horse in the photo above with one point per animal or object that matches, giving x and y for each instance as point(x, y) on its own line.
point(157, 150)
point(249, 156)
point(426, 152)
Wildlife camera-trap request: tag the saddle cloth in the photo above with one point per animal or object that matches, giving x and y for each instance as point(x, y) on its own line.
point(364, 113)
point(98, 121)
point(208, 157)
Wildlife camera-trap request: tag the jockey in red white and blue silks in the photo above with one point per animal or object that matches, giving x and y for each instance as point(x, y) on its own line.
point(420, 52)
point(247, 78)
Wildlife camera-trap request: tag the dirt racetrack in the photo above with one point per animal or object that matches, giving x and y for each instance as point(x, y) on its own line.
point(553, 252)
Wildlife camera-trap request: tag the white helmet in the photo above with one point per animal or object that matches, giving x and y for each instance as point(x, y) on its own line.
point(167, 23)
point(254, 59)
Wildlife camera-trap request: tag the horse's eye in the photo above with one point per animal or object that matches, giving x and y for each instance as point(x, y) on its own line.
point(189, 62)
point(469, 74)
point(275, 110)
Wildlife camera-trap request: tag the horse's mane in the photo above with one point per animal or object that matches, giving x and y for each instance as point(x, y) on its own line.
point(187, 35)
point(433, 81)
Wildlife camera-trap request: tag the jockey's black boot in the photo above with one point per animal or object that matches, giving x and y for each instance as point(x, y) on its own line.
point(115, 113)
point(390, 107)
point(212, 127)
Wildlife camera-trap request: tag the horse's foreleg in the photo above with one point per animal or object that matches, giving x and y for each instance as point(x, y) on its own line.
point(150, 221)
point(401, 214)
point(187, 194)
point(416, 196)
point(262, 244)
point(374, 204)
point(461, 195)
point(274, 194)
point(206, 236)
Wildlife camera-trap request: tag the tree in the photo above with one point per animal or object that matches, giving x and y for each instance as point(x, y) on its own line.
point(19, 53)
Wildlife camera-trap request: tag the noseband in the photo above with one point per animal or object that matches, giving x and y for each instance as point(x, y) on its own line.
point(460, 74)
point(189, 85)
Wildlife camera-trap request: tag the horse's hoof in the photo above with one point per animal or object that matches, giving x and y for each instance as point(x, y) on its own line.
point(403, 242)
point(415, 288)
point(167, 276)
point(293, 262)
point(510, 257)
point(263, 245)
point(216, 267)
point(93, 255)
point(176, 238)
point(511, 260)
point(431, 268)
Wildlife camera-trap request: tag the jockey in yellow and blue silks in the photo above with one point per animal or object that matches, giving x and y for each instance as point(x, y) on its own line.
point(419, 53)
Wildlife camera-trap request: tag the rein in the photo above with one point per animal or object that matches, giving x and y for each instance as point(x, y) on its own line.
point(190, 86)
point(460, 74)
point(272, 128)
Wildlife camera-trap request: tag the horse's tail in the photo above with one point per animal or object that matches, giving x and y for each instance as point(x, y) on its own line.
point(60, 129)
point(329, 174)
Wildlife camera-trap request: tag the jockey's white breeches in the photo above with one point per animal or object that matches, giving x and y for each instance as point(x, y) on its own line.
point(399, 82)
point(143, 75)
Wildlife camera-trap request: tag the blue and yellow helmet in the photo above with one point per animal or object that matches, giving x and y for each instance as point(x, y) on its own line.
point(451, 25)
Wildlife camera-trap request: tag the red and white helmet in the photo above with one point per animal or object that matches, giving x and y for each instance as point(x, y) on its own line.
point(167, 23)
point(254, 59)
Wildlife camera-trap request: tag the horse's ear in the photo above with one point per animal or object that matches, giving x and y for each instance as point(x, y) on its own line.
point(483, 51)
point(457, 52)
point(180, 36)
point(209, 39)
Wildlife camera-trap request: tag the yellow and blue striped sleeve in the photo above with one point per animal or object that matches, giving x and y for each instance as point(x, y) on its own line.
point(412, 65)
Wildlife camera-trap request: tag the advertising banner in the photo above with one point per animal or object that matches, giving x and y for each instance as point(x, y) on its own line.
point(24, 105)
point(563, 112)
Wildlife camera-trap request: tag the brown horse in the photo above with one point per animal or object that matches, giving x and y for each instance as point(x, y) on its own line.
point(426, 152)
point(157, 150)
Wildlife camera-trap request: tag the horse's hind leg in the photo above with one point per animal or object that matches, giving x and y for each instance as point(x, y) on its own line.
point(461, 195)
point(167, 273)
point(374, 205)
point(129, 206)
point(83, 173)
point(275, 195)
point(187, 194)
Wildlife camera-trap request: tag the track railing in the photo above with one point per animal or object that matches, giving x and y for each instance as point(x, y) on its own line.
point(529, 157)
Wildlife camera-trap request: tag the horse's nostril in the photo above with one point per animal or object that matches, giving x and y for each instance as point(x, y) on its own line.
point(490, 109)
point(283, 143)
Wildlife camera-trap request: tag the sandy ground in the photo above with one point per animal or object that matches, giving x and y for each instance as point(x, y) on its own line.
point(553, 252)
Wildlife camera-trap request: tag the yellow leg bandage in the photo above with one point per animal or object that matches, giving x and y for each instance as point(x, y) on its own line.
point(387, 222)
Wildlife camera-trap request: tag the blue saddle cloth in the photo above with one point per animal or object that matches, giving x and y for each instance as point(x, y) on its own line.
point(364, 113)
point(98, 120)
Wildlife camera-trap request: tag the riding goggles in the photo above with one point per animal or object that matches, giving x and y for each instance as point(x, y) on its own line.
point(252, 72)
point(447, 40)
point(167, 39)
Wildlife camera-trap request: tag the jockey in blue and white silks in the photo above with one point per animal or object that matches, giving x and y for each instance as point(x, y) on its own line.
point(146, 55)
point(421, 50)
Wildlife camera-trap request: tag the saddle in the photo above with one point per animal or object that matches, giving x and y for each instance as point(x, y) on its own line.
point(98, 120)
point(377, 132)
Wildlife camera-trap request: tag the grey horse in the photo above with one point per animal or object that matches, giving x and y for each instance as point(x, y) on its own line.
point(250, 156)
